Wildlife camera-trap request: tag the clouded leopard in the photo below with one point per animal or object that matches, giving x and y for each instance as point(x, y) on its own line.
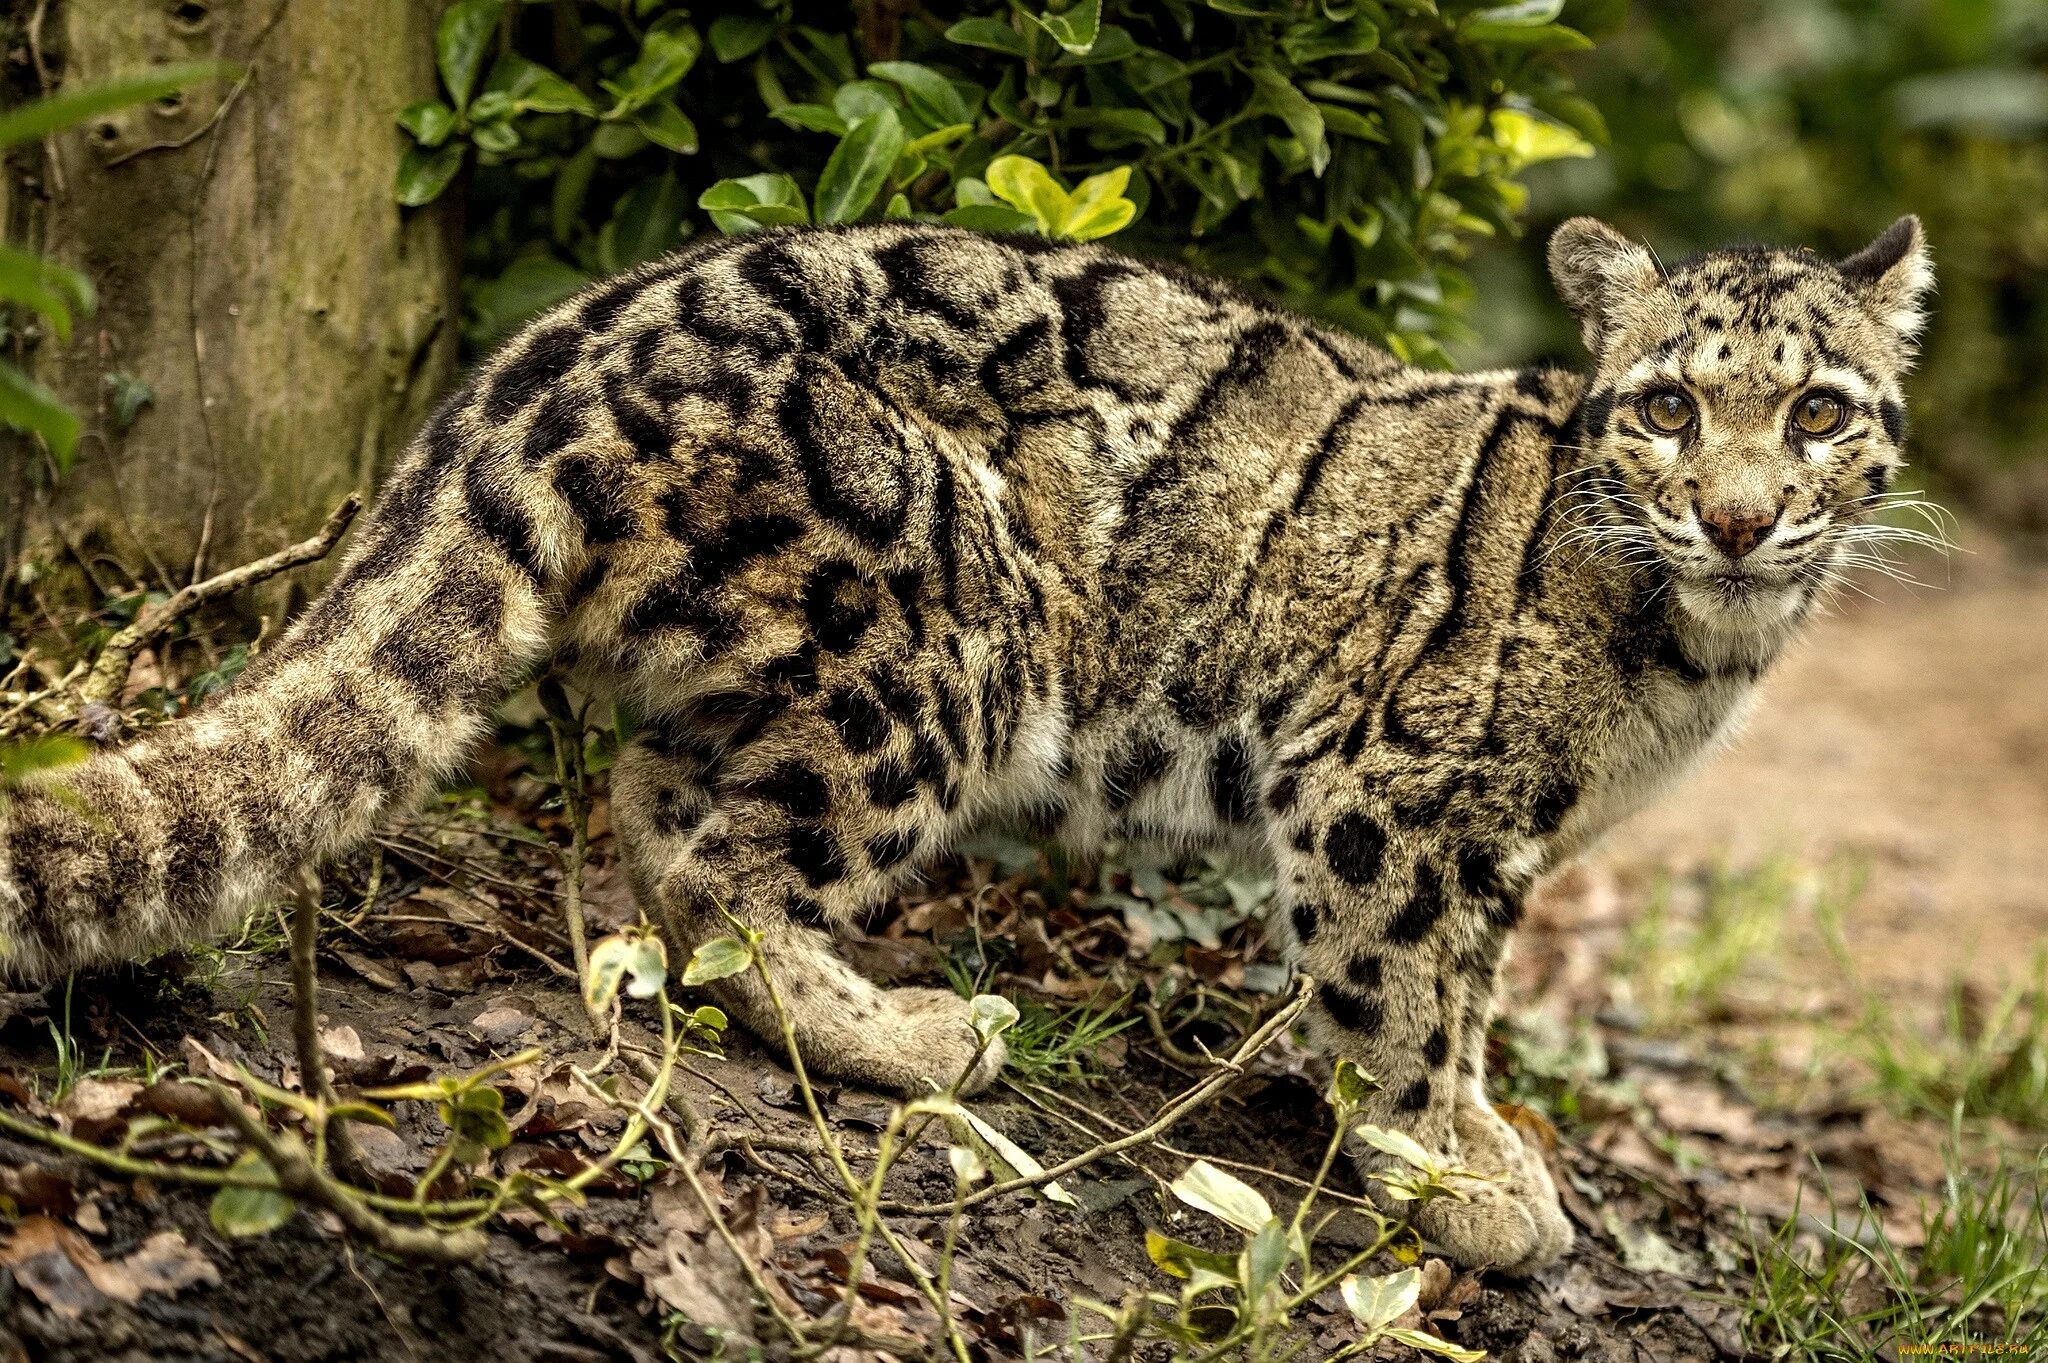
point(887, 532)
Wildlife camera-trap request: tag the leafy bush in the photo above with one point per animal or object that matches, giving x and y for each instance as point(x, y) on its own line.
point(1342, 154)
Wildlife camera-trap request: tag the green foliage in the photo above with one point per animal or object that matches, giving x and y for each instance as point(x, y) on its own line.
point(1342, 154)
point(55, 293)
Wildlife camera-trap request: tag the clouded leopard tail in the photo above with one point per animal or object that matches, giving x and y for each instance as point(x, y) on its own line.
point(448, 595)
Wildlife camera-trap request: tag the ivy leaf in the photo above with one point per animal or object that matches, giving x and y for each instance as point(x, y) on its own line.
point(1004, 1154)
point(1227, 1198)
point(991, 1015)
point(250, 1211)
point(424, 173)
point(126, 397)
point(717, 960)
point(461, 42)
point(753, 202)
point(858, 166)
point(1378, 1302)
point(1430, 1344)
point(1076, 29)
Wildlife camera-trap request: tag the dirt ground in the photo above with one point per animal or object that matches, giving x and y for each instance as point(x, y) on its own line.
point(1908, 735)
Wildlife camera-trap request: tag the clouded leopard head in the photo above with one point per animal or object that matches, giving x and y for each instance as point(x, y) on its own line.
point(1744, 417)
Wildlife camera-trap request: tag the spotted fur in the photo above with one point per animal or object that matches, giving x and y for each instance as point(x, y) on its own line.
point(885, 533)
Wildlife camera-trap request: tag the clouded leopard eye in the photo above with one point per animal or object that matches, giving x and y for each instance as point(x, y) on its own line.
point(1667, 411)
point(1819, 414)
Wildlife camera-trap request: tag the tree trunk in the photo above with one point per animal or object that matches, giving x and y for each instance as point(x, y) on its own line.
point(291, 323)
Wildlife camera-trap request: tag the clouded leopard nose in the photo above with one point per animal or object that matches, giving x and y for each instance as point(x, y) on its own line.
point(1736, 532)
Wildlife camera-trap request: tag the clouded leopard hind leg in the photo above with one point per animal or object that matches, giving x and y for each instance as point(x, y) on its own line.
point(699, 848)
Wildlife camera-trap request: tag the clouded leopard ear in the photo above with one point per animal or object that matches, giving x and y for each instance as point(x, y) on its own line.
point(1893, 276)
point(1596, 269)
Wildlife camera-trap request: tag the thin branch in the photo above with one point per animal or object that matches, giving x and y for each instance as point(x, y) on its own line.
point(109, 675)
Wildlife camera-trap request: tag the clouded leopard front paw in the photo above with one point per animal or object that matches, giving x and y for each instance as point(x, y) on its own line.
point(910, 1041)
point(1512, 1221)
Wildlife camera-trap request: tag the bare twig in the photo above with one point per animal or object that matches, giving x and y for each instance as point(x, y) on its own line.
point(109, 675)
point(1213, 1083)
point(313, 1076)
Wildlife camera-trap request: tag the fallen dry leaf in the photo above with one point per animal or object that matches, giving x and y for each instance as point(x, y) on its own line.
point(62, 1270)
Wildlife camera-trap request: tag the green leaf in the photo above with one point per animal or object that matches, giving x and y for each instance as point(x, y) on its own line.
point(50, 752)
point(28, 406)
point(667, 126)
point(993, 34)
point(717, 959)
point(735, 37)
point(494, 137)
point(1525, 14)
point(1528, 139)
point(428, 120)
point(991, 1015)
point(532, 88)
point(126, 397)
point(1398, 1144)
point(1181, 1259)
point(51, 289)
point(858, 166)
point(989, 218)
point(462, 42)
point(1029, 187)
point(1098, 207)
point(1225, 1197)
point(1076, 29)
point(250, 1211)
point(932, 97)
point(1263, 1258)
point(1350, 1085)
point(647, 967)
point(1314, 42)
point(75, 106)
point(667, 52)
point(1005, 1154)
point(967, 1166)
point(423, 173)
point(753, 202)
point(605, 972)
point(476, 1116)
point(1378, 1302)
point(857, 99)
point(816, 118)
point(1297, 111)
point(530, 285)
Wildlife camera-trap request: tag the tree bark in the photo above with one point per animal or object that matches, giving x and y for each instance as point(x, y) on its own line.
point(291, 321)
